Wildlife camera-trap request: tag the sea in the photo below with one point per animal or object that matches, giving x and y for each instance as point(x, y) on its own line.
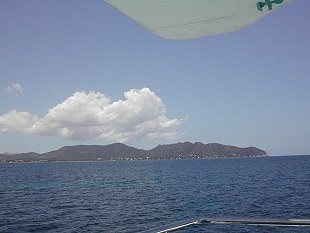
point(133, 196)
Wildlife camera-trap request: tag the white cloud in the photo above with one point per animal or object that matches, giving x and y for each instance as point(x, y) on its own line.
point(15, 89)
point(17, 122)
point(93, 115)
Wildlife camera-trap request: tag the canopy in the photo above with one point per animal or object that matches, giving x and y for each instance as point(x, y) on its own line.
point(185, 19)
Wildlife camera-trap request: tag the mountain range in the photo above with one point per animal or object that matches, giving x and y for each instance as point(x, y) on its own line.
point(119, 151)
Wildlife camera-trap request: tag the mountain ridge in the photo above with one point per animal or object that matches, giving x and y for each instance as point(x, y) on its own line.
point(120, 151)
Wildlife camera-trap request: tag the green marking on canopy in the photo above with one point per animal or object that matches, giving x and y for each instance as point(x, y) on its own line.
point(268, 3)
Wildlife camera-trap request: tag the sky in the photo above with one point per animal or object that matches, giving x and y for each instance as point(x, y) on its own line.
point(80, 72)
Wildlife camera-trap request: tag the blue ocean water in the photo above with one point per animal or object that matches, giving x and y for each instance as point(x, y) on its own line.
point(132, 196)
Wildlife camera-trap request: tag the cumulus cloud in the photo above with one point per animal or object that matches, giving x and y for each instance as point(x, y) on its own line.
point(17, 122)
point(91, 115)
point(15, 89)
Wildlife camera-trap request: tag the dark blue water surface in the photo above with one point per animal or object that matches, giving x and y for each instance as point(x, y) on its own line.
point(132, 196)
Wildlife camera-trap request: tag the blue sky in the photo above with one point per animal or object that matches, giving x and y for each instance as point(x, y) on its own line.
point(65, 67)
